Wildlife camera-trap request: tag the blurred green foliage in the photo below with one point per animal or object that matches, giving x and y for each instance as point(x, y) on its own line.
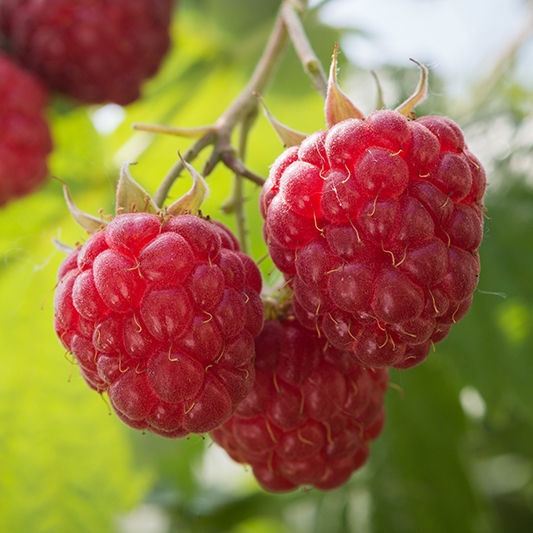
point(457, 450)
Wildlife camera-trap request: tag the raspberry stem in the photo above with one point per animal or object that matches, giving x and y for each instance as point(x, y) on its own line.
point(244, 104)
point(189, 155)
point(236, 202)
point(310, 62)
point(243, 110)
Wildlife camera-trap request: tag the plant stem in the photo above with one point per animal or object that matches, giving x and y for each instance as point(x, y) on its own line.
point(235, 164)
point(243, 109)
point(164, 188)
point(310, 62)
point(245, 104)
point(238, 191)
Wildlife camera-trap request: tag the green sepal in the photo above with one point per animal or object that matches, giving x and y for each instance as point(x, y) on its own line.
point(191, 201)
point(190, 133)
point(131, 197)
point(338, 106)
point(89, 223)
point(287, 136)
point(407, 108)
point(62, 247)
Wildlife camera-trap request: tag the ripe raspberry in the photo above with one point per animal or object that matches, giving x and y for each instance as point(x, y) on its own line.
point(310, 415)
point(377, 224)
point(93, 50)
point(26, 141)
point(162, 314)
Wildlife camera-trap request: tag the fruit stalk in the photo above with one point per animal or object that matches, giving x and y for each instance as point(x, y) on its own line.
point(244, 106)
point(235, 204)
point(310, 62)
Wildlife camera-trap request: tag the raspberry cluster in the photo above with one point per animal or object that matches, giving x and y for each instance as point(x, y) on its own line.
point(310, 415)
point(376, 224)
point(162, 314)
point(93, 50)
point(25, 141)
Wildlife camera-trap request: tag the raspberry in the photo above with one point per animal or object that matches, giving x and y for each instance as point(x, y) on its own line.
point(93, 50)
point(376, 223)
point(310, 415)
point(161, 313)
point(26, 140)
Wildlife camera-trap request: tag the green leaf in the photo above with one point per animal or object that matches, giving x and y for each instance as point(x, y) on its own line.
point(421, 482)
point(491, 347)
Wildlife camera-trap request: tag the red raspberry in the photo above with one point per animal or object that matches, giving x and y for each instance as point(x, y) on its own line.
point(377, 224)
point(162, 314)
point(310, 415)
point(93, 50)
point(25, 141)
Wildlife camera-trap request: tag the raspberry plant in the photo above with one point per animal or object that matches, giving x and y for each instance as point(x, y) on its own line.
point(374, 223)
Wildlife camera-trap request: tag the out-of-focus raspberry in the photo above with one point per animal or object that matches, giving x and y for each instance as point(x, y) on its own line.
point(96, 51)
